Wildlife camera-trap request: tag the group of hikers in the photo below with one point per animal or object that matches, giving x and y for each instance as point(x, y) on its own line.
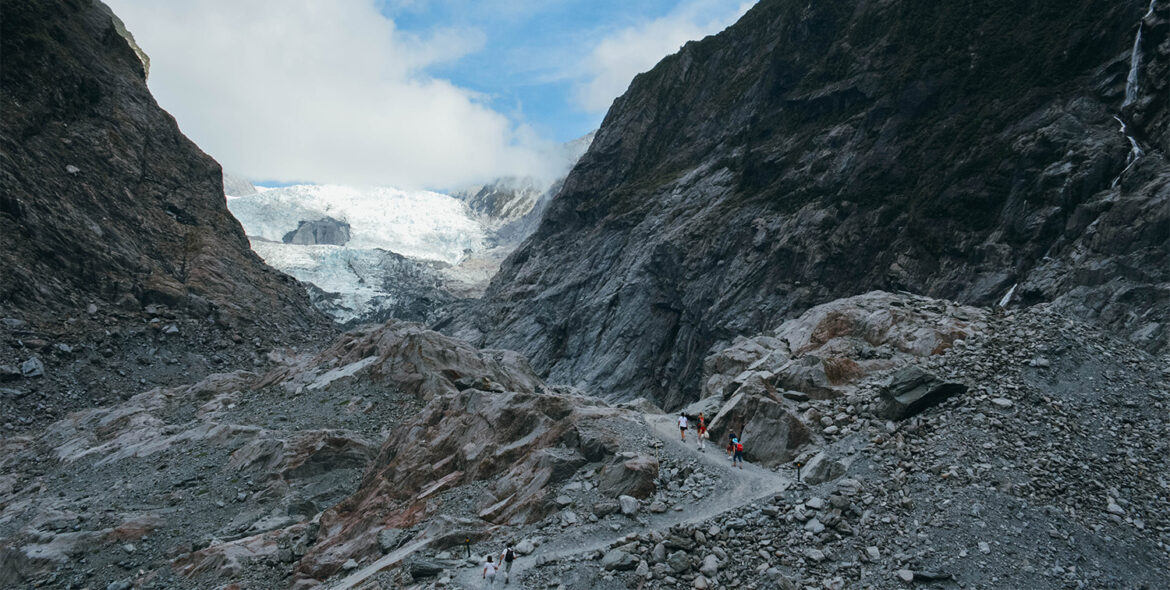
point(734, 446)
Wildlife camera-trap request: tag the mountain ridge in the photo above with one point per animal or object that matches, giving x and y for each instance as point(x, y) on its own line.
point(811, 153)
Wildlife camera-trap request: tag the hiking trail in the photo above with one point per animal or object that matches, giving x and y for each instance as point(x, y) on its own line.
point(746, 486)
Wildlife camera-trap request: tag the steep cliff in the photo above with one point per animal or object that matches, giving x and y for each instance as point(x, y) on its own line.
point(103, 198)
point(814, 151)
point(113, 223)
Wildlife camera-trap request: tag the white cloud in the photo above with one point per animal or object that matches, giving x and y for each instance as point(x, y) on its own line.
point(303, 90)
point(614, 61)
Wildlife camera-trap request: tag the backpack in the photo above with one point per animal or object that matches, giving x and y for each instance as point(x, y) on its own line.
point(508, 555)
point(739, 447)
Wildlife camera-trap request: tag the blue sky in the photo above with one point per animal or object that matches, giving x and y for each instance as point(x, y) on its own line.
point(405, 93)
point(522, 64)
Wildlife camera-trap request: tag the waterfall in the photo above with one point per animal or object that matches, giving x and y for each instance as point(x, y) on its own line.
point(1135, 60)
point(1135, 150)
point(1131, 94)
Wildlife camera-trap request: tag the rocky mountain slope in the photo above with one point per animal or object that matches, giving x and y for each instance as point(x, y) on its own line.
point(811, 152)
point(120, 265)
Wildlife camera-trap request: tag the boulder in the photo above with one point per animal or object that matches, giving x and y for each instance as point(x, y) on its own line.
point(821, 468)
point(770, 430)
point(910, 390)
point(603, 509)
point(616, 559)
point(629, 505)
point(678, 562)
point(427, 568)
point(633, 476)
point(33, 367)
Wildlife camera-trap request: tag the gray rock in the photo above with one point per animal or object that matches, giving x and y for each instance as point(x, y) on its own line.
point(525, 547)
point(643, 570)
point(821, 468)
point(605, 508)
point(389, 539)
point(33, 367)
point(710, 566)
point(910, 390)
point(814, 526)
point(633, 476)
point(349, 565)
point(9, 373)
point(120, 585)
point(658, 554)
point(618, 560)
point(905, 575)
point(426, 568)
point(678, 562)
point(657, 507)
point(629, 505)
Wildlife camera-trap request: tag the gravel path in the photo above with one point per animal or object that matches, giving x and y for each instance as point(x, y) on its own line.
point(743, 486)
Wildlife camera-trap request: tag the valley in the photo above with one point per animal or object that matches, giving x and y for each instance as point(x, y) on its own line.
point(915, 258)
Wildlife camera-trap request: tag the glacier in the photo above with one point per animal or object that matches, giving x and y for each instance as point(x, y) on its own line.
point(418, 224)
point(409, 252)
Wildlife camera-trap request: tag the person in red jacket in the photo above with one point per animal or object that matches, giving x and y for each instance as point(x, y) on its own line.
point(702, 430)
point(738, 458)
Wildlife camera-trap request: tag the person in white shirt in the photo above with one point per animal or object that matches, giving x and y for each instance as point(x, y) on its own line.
point(682, 426)
point(489, 573)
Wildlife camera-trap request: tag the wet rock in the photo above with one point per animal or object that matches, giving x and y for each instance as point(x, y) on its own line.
point(910, 390)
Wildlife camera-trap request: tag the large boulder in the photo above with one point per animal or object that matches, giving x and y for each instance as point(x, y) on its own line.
point(616, 559)
point(631, 475)
point(910, 390)
point(769, 428)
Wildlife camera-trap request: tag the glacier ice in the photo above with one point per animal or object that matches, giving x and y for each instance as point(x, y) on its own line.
point(419, 224)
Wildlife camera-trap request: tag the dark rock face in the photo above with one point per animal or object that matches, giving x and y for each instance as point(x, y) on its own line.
point(814, 152)
point(322, 231)
point(911, 390)
point(102, 199)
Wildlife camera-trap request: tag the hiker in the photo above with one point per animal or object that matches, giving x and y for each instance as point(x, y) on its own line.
point(731, 440)
point(702, 430)
point(507, 557)
point(682, 426)
point(467, 546)
point(489, 573)
point(738, 458)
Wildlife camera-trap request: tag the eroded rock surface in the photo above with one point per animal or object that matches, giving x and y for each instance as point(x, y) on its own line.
point(812, 152)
